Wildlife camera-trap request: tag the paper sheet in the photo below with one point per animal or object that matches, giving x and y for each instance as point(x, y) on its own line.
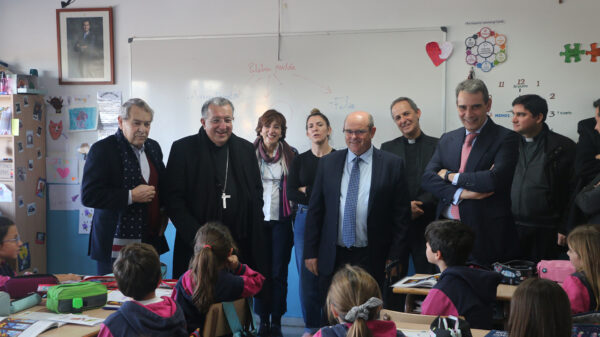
point(62, 171)
point(64, 197)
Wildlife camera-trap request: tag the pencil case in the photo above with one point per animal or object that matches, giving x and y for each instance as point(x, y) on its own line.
point(21, 286)
point(76, 297)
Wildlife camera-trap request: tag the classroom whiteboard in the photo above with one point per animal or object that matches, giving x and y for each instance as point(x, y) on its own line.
point(335, 72)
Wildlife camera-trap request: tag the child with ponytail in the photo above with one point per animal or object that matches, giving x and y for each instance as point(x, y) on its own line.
point(215, 275)
point(583, 286)
point(354, 300)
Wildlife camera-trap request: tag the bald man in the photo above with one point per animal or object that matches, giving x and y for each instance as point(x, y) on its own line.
point(359, 209)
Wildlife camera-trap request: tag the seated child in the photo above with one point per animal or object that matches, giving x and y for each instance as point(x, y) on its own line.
point(10, 243)
point(460, 291)
point(539, 308)
point(583, 286)
point(215, 276)
point(354, 301)
point(137, 272)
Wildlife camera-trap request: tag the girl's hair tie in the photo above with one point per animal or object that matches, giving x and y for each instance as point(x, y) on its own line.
point(207, 246)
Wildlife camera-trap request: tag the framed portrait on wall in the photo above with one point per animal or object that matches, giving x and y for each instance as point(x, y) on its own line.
point(85, 46)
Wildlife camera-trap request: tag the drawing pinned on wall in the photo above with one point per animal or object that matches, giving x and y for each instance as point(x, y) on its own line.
point(83, 119)
point(486, 49)
point(30, 164)
point(438, 53)
point(29, 139)
point(24, 257)
point(79, 100)
point(61, 171)
point(64, 197)
point(40, 189)
point(40, 238)
point(37, 111)
point(57, 103)
point(56, 129)
point(25, 101)
point(21, 174)
point(38, 152)
point(20, 201)
point(31, 209)
point(20, 146)
point(85, 219)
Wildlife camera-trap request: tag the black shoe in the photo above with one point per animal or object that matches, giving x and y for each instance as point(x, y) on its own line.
point(264, 329)
point(276, 330)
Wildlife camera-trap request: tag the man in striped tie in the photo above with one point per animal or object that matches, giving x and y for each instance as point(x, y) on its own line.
point(471, 173)
point(359, 209)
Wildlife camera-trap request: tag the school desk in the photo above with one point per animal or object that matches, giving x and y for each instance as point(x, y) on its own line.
point(72, 330)
point(504, 294)
point(415, 322)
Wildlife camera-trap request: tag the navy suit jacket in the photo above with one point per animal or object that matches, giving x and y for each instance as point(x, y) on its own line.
point(387, 217)
point(102, 189)
point(490, 168)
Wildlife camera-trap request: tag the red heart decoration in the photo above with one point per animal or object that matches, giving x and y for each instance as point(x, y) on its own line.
point(434, 51)
point(63, 172)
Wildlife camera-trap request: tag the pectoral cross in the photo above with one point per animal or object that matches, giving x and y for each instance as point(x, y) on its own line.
point(225, 197)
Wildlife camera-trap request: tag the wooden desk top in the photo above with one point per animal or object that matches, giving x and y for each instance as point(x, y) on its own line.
point(72, 330)
point(504, 291)
point(402, 326)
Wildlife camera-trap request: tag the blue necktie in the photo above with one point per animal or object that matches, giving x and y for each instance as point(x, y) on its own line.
point(349, 222)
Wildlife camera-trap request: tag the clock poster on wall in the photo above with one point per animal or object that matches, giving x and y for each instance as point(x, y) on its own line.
point(485, 49)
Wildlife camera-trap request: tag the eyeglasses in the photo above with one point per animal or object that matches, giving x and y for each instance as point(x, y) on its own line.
point(219, 120)
point(15, 239)
point(355, 132)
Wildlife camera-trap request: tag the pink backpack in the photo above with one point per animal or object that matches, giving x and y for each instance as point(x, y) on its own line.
point(555, 270)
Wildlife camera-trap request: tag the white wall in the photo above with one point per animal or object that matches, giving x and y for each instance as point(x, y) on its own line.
point(536, 31)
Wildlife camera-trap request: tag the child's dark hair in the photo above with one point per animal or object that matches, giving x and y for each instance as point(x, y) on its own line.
point(351, 287)
point(453, 238)
point(539, 308)
point(5, 224)
point(137, 270)
point(213, 244)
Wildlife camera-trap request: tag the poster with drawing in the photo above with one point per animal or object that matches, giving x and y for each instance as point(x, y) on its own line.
point(85, 219)
point(61, 171)
point(83, 119)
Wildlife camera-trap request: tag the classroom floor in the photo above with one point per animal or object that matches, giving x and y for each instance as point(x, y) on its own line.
point(292, 327)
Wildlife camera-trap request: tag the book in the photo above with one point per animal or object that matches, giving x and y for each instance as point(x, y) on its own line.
point(418, 281)
point(10, 326)
point(60, 318)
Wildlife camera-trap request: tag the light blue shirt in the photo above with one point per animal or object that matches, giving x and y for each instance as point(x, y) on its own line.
point(364, 187)
point(456, 200)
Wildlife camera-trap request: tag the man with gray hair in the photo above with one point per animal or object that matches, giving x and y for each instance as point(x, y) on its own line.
point(213, 176)
point(471, 173)
point(122, 181)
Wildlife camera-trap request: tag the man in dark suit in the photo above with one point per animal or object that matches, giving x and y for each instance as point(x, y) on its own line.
point(416, 148)
point(88, 50)
point(213, 176)
point(587, 164)
point(471, 173)
point(359, 208)
point(122, 181)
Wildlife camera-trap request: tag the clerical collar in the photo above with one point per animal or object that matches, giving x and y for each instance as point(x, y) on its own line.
point(538, 136)
point(413, 141)
point(529, 140)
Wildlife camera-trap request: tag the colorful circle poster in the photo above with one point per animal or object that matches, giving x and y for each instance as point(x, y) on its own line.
point(486, 49)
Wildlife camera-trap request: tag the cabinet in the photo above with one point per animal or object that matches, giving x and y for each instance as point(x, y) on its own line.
point(23, 173)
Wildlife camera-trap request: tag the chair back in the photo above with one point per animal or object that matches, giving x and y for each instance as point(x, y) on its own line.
point(216, 324)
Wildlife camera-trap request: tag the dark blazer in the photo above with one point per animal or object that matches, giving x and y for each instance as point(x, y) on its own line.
point(102, 189)
point(588, 146)
point(490, 168)
point(428, 145)
point(387, 219)
point(194, 199)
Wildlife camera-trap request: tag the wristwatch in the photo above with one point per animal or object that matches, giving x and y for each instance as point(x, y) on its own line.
point(447, 174)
